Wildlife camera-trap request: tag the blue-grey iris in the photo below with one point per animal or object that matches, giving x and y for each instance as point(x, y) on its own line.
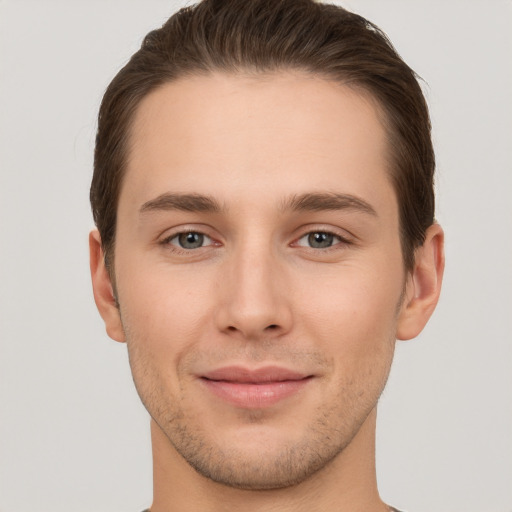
point(190, 240)
point(320, 240)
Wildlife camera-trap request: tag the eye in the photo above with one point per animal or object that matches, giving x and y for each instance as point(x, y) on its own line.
point(319, 240)
point(190, 240)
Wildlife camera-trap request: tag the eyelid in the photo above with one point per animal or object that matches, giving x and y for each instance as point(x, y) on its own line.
point(336, 243)
point(342, 234)
point(170, 238)
point(344, 237)
point(169, 233)
point(165, 238)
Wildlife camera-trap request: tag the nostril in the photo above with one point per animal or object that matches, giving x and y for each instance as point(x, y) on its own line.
point(272, 327)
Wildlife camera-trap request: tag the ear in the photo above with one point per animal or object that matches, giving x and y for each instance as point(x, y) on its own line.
point(423, 285)
point(103, 289)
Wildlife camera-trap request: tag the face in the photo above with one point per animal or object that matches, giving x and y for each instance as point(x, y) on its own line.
point(258, 271)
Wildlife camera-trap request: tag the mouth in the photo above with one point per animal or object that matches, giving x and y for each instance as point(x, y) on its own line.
point(254, 389)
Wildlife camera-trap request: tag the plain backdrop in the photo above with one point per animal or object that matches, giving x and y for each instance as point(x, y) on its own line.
point(73, 435)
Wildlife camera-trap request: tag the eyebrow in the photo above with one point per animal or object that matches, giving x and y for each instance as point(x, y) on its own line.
point(325, 201)
point(319, 201)
point(182, 202)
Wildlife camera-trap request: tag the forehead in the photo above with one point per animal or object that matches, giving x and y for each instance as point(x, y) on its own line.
point(254, 137)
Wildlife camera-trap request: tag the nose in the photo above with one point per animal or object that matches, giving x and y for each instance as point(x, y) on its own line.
point(254, 298)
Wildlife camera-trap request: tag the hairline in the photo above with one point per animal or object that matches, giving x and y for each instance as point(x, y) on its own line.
point(253, 72)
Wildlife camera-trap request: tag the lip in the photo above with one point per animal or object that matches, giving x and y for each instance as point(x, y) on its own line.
point(254, 388)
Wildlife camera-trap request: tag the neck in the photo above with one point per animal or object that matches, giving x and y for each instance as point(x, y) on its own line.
point(347, 483)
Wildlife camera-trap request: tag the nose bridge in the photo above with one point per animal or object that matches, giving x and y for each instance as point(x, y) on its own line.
point(254, 302)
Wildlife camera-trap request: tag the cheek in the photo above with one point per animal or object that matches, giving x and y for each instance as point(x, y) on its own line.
point(356, 333)
point(163, 321)
point(165, 313)
point(355, 315)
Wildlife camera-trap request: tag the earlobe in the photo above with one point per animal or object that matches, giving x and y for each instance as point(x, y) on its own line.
point(423, 285)
point(103, 289)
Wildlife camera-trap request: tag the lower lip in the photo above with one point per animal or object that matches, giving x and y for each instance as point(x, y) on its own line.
point(255, 396)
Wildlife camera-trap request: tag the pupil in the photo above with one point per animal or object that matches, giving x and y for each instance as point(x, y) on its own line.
point(191, 240)
point(320, 240)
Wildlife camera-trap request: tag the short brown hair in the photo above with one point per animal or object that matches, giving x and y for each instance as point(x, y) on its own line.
point(264, 36)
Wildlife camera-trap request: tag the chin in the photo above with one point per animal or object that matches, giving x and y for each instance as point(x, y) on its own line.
point(258, 458)
point(274, 471)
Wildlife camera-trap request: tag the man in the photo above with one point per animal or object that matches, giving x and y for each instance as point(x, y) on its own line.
point(263, 192)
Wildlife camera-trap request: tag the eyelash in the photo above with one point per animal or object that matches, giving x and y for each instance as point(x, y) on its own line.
point(337, 241)
point(182, 250)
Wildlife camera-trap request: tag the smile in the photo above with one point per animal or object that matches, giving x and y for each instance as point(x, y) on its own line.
point(254, 389)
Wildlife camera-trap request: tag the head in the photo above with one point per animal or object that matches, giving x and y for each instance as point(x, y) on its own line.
point(263, 195)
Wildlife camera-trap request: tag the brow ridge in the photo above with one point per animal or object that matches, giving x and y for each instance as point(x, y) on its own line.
point(182, 202)
point(324, 201)
point(311, 201)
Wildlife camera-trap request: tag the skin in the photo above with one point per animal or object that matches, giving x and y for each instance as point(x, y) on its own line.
point(267, 154)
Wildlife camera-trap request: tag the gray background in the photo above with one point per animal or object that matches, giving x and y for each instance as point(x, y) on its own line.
point(73, 436)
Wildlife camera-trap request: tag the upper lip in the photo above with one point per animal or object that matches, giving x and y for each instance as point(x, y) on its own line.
point(254, 376)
